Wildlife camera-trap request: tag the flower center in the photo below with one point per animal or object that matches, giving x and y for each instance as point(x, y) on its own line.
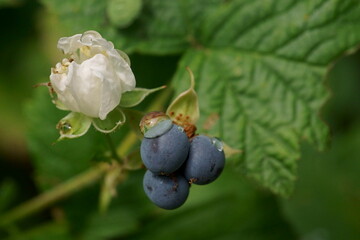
point(62, 67)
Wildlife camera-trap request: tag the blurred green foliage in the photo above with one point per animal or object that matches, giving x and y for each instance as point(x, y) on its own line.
point(325, 202)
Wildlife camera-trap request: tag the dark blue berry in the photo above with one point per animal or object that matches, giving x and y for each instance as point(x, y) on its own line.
point(165, 153)
point(168, 192)
point(206, 160)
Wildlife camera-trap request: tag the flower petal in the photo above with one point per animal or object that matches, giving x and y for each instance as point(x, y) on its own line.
point(123, 71)
point(88, 37)
point(60, 83)
point(69, 44)
point(95, 89)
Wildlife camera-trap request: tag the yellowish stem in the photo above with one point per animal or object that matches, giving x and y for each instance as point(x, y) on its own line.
point(59, 192)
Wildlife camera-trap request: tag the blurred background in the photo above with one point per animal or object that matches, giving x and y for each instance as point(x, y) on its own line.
point(324, 205)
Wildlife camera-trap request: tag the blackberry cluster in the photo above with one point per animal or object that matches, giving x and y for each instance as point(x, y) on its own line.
point(174, 162)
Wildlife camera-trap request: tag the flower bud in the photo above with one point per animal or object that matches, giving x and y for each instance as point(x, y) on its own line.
point(93, 78)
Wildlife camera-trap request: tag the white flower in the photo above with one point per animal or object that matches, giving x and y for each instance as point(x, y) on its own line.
point(93, 78)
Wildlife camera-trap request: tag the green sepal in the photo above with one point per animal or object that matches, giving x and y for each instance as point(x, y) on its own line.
point(136, 96)
point(73, 125)
point(113, 120)
point(186, 105)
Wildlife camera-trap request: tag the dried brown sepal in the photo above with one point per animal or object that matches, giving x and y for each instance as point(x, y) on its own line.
point(184, 110)
point(185, 123)
point(193, 180)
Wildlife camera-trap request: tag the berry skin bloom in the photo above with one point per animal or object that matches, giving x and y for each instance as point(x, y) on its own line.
point(93, 77)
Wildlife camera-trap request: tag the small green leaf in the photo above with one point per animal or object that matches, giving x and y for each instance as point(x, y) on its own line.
point(136, 96)
point(122, 13)
point(185, 107)
point(113, 120)
point(73, 125)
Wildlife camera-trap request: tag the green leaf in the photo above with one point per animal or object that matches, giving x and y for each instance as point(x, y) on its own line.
point(260, 69)
point(118, 221)
point(79, 16)
point(122, 13)
point(114, 119)
point(136, 96)
point(161, 27)
point(51, 230)
point(168, 27)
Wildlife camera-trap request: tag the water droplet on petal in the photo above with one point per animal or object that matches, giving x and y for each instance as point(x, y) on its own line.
point(218, 144)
